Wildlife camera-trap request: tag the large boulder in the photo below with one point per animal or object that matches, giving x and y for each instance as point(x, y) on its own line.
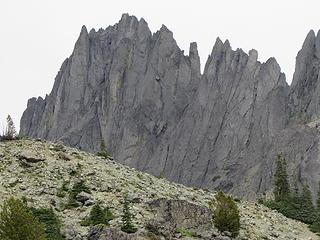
point(173, 214)
point(31, 157)
point(84, 197)
point(108, 233)
point(182, 213)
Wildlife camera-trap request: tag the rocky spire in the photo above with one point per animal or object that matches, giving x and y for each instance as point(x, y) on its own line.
point(305, 88)
point(148, 102)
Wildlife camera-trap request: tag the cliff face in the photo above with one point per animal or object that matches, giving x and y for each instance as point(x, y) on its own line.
point(147, 101)
point(305, 88)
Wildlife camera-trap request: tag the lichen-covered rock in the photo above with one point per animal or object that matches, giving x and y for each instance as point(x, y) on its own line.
point(31, 157)
point(161, 227)
point(182, 214)
point(107, 233)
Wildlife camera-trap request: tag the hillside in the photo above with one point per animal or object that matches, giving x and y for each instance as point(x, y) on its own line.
point(37, 170)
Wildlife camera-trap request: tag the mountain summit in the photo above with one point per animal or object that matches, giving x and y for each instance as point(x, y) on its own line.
point(138, 95)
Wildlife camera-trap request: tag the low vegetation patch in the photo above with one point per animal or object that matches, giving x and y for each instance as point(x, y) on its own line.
point(77, 188)
point(50, 221)
point(98, 215)
point(18, 222)
point(185, 232)
point(104, 154)
point(226, 215)
point(63, 189)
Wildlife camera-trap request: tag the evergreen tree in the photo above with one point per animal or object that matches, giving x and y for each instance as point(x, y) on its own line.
point(282, 188)
point(10, 131)
point(226, 214)
point(18, 223)
point(307, 211)
point(315, 226)
point(102, 146)
point(318, 200)
point(50, 221)
point(295, 195)
point(127, 225)
point(294, 205)
point(98, 215)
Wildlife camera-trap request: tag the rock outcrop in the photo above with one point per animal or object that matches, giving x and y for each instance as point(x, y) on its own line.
point(139, 95)
point(305, 87)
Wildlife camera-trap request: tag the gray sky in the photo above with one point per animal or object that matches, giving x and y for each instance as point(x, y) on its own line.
point(37, 35)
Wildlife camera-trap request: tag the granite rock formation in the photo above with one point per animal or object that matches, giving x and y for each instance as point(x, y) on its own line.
point(139, 95)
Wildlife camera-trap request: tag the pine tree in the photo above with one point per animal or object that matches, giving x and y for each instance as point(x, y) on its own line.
point(282, 188)
point(315, 226)
point(11, 130)
point(127, 225)
point(226, 214)
point(99, 215)
point(17, 222)
point(102, 146)
point(295, 204)
point(50, 221)
point(307, 211)
point(318, 200)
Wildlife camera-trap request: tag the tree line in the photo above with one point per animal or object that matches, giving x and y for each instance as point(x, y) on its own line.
point(292, 202)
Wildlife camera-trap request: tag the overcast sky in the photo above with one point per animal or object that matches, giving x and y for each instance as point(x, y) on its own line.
point(37, 35)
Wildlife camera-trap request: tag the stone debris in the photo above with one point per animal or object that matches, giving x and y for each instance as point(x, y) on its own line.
point(157, 204)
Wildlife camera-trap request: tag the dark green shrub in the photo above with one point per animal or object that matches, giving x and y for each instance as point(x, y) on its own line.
point(76, 189)
point(73, 173)
point(306, 208)
point(63, 189)
point(98, 215)
point(51, 222)
point(61, 194)
point(226, 214)
point(103, 154)
point(127, 224)
point(18, 223)
point(315, 226)
point(238, 200)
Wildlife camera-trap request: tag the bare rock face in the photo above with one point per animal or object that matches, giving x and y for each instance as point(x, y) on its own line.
point(305, 90)
point(140, 95)
point(238, 109)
